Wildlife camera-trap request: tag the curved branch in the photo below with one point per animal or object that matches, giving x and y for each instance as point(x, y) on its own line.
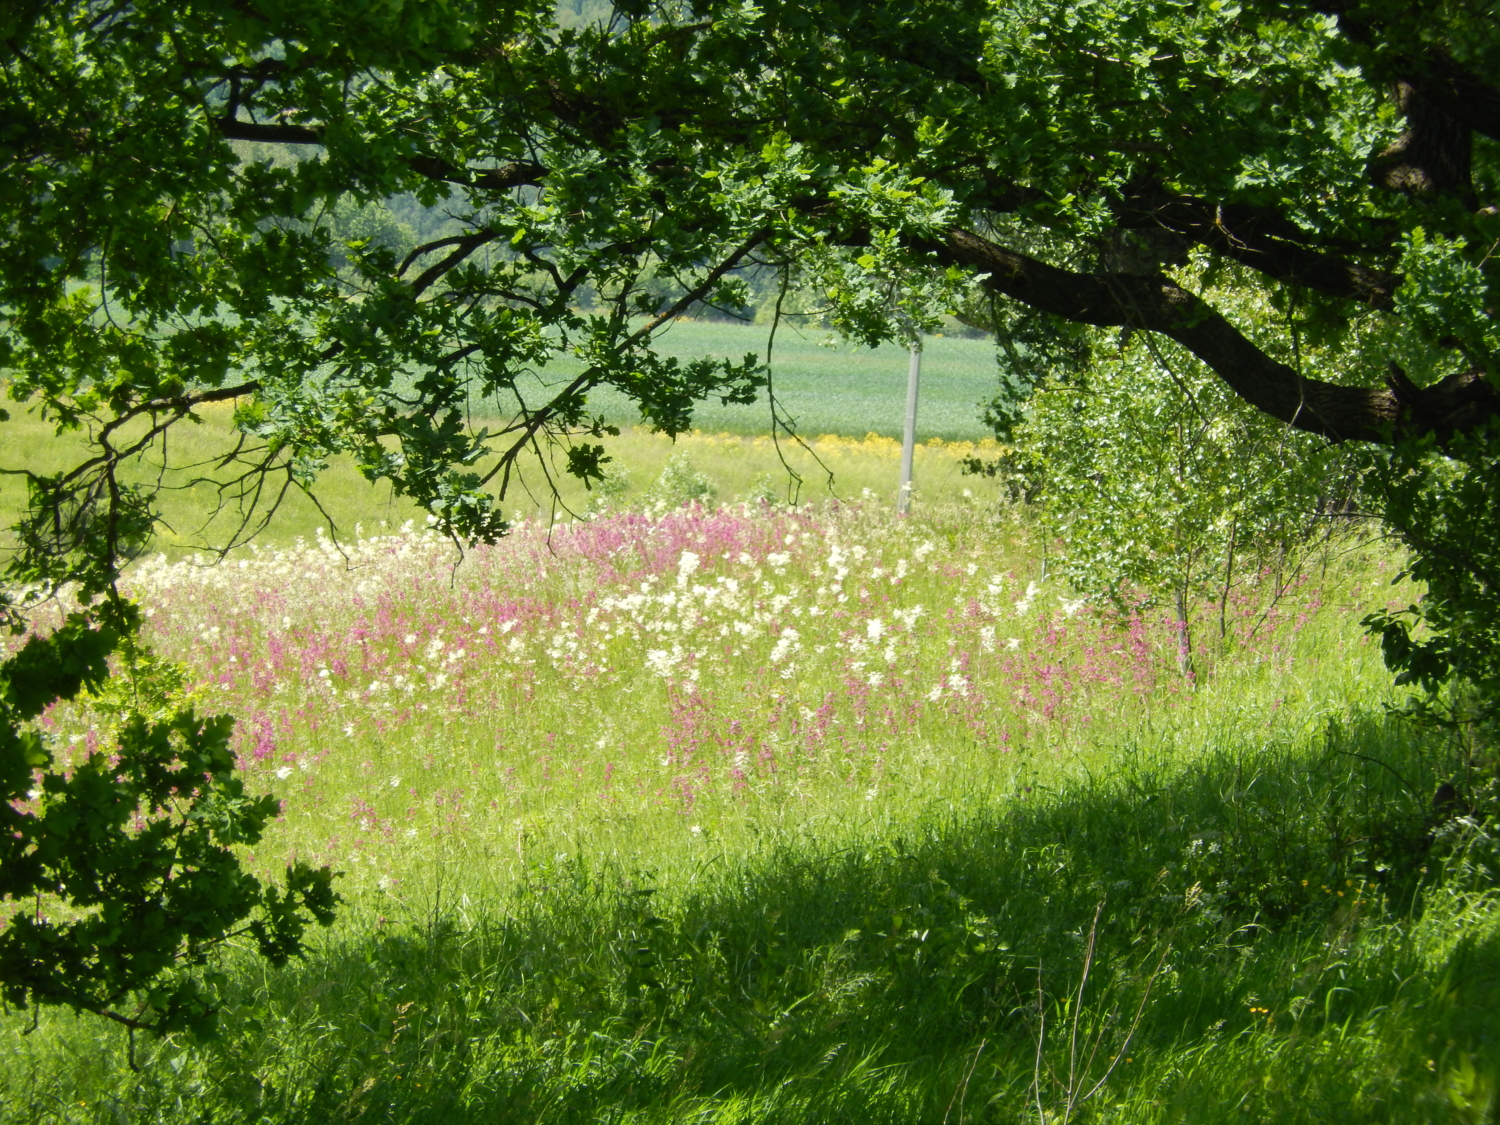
point(464, 246)
point(1263, 240)
point(518, 173)
point(1332, 410)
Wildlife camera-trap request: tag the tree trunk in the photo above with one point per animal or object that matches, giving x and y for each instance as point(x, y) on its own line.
point(1184, 638)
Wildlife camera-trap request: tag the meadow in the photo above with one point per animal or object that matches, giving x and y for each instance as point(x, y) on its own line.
point(742, 811)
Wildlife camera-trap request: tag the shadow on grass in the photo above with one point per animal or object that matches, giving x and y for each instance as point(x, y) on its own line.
point(1194, 942)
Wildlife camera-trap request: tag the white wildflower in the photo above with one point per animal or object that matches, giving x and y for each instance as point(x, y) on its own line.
point(789, 643)
point(660, 661)
point(1025, 603)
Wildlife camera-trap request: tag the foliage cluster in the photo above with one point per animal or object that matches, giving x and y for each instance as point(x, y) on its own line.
point(128, 857)
point(1446, 508)
point(1156, 483)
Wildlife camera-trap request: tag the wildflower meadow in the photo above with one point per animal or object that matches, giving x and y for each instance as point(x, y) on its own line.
point(758, 812)
point(694, 667)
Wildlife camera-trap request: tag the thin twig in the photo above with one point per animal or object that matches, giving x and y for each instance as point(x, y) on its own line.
point(1083, 979)
point(1041, 1044)
point(962, 1091)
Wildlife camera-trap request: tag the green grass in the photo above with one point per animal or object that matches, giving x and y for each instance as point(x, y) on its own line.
point(802, 814)
point(617, 847)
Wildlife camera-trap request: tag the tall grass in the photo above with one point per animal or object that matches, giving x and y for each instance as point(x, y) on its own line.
point(757, 813)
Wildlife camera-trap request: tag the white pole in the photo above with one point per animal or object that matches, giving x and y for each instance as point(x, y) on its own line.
point(909, 437)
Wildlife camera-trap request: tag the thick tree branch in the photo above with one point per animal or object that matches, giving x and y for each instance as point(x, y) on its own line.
point(520, 173)
point(1433, 156)
point(1264, 241)
point(1331, 410)
point(516, 174)
point(278, 134)
point(1458, 92)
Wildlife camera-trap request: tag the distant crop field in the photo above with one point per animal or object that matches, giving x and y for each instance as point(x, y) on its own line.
point(826, 387)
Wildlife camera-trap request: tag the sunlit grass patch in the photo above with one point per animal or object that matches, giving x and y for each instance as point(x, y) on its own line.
point(200, 511)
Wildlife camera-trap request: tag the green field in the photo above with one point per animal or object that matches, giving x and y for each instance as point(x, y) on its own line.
point(827, 387)
point(198, 516)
